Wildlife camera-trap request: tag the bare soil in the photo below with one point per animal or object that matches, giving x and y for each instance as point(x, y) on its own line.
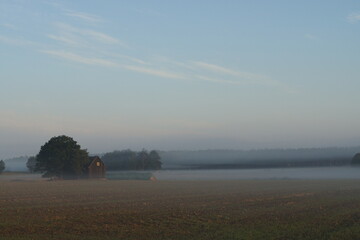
point(241, 209)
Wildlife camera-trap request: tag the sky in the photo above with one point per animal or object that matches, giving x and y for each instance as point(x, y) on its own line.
point(179, 75)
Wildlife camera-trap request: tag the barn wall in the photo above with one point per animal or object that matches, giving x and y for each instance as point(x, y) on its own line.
point(95, 171)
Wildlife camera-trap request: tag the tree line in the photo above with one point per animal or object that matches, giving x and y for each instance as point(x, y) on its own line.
point(2, 166)
point(118, 160)
point(131, 160)
point(62, 157)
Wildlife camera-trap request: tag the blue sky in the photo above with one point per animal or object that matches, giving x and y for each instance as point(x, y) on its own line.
point(179, 74)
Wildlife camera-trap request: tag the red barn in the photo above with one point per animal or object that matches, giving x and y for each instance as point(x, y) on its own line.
point(95, 168)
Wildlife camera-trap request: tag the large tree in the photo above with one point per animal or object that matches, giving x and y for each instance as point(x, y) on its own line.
point(61, 157)
point(2, 166)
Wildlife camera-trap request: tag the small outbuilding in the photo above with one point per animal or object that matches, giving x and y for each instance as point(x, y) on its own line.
point(95, 168)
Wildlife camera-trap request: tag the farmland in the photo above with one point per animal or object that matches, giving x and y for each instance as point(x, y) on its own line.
point(236, 209)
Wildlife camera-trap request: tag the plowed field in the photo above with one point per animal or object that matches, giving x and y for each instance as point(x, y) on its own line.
point(104, 209)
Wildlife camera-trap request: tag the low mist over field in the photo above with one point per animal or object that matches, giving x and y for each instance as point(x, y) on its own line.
point(259, 158)
point(17, 164)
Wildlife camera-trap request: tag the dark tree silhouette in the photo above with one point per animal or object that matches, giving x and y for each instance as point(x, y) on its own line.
point(130, 160)
point(2, 166)
point(61, 157)
point(154, 161)
point(142, 160)
point(356, 159)
point(31, 164)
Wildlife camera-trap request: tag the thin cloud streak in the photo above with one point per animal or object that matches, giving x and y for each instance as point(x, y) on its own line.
point(83, 16)
point(241, 78)
point(101, 37)
point(122, 56)
point(216, 68)
point(77, 58)
point(95, 35)
point(193, 70)
point(91, 18)
point(154, 72)
point(149, 71)
point(15, 41)
point(63, 39)
point(250, 77)
point(107, 63)
point(353, 17)
point(135, 60)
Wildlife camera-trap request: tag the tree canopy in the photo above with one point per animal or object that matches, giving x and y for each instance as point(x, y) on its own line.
point(2, 166)
point(31, 164)
point(130, 160)
point(356, 159)
point(61, 157)
point(154, 161)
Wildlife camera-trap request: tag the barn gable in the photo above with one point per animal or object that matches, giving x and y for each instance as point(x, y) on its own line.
point(95, 168)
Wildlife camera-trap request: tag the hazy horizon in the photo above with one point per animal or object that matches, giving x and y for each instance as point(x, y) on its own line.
point(322, 149)
point(179, 75)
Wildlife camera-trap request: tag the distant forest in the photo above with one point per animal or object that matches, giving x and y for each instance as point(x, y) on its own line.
point(265, 158)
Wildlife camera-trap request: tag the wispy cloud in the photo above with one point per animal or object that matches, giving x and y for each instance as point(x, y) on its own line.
point(216, 68)
point(64, 39)
point(178, 74)
point(354, 17)
point(136, 60)
point(101, 37)
point(94, 35)
point(154, 72)
point(83, 16)
point(108, 63)
point(107, 51)
point(224, 75)
point(15, 41)
point(244, 76)
point(81, 59)
point(125, 57)
point(91, 18)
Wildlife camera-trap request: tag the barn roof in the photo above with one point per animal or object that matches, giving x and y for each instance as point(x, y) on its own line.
point(91, 159)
